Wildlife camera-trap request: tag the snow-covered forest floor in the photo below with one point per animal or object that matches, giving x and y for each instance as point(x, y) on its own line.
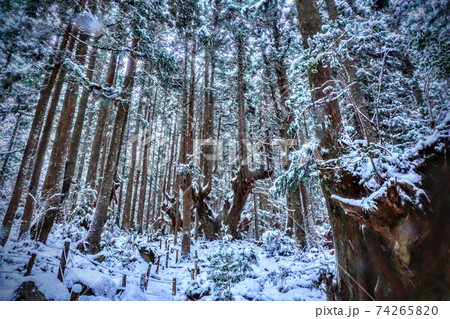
point(273, 269)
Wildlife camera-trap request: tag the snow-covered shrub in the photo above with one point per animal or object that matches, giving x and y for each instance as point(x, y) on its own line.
point(275, 243)
point(198, 288)
point(278, 277)
point(249, 289)
point(228, 266)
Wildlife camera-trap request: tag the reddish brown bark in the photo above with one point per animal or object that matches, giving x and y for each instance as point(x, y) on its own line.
point(51, 188)
point(91, 174)
point(79, 125)
point(33, 187)
point(186, 185)
point(399, 250)
point(101, 213)
point(128, 218)
point(33, 138)
point(244, 180)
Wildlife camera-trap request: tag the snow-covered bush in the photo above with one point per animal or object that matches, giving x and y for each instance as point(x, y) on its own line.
point(275, 243)
point(278, 277)
point(228, 266)
point(198, 288)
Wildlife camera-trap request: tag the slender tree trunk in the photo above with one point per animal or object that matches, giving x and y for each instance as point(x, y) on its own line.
point(8, 153)
point(144, 172)
point(78, 126)
point(101, 212)
point(189, 150)
point(33, 138)
point(182, 146)
point(205, 216)
point(51, 188)
point(161, 191)
point(86, 141)
point(128, 219)
point(255, 209)
point(150, 141)
point(144, 138)
point(105, 146)
point(102, 119)
point(245, 179)
point(33, 187)
point(150, 217)
point(171, 158)
point(361, 116)
point(143, 188)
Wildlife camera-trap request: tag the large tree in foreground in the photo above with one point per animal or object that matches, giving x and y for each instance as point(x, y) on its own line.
point(391, 244)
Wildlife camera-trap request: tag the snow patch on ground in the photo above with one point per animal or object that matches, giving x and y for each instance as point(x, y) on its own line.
point(274, 275)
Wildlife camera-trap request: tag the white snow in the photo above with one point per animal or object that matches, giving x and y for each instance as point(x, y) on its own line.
point(133, 293)
point(293, 275)
point(101, 284)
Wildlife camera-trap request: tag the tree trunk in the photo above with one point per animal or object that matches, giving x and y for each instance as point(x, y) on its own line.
point(256, 219)
point(407, 238)
point(361, 116)
point(157, 151)
point(102, 118)
point(33, 187)
point(51, 188)
point(244, 180)
point(151, 190)
point(127, 220)
point(173, 141)
point(209, 225)
point(189, 150)
point(400, 250)
point(101, 212)
point(78, 126)
point(87, 143)
point(8, 152)
point(353, 276)
point(33, 138)
point(144, 171)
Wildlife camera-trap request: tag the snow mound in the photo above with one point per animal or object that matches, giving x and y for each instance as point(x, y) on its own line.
point(249, 288)
point(49, 285)
point(99, 283)
point(133, 293)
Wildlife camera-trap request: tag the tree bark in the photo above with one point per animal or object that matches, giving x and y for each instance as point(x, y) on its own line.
point(244, 180)
point(10, 146)
point(144, 175)
point(204, 214)
point(127, 220)
point(189, 150)
point(33, 138)
point(400, 249)
point(101, 212)
point(361, 115)
point(33, 187)
point(78, 126)
point(51, 188)
point(91, 174)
